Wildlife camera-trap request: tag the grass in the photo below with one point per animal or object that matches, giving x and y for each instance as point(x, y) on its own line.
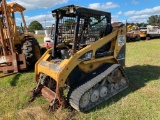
point(40, 38)
point(139, 101)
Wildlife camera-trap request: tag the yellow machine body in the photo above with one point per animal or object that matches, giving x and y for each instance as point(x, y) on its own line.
point(87, 52)
point(60, 72)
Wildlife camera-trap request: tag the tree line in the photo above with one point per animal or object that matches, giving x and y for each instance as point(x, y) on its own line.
point(152, 20)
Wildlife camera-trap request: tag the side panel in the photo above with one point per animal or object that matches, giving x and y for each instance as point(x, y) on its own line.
point(121, 56)
point(120, 49)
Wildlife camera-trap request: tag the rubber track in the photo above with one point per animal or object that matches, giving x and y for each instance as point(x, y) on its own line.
point(76, 94)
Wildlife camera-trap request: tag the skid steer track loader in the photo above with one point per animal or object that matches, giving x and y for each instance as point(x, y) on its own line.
point(18, 49)
point(85, 65)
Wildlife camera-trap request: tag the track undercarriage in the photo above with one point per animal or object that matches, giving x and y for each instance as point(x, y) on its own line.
point(99, 88)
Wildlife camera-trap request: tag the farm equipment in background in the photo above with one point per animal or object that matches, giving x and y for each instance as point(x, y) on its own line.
point(135, 27)
point(137, 33)
point(152, 32)
point(18, 51)
point(48, 39)
point(129, 27)
point(132, 36)
point(132, 33)
point(143, 32)
point(85, 65)
point(132, 28)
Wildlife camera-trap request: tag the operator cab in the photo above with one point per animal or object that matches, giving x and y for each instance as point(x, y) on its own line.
point(76, 27)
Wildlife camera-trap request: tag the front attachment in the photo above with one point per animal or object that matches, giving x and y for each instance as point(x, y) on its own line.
point(54, 97)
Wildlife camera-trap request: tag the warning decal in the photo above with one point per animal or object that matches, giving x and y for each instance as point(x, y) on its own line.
point(120, 40)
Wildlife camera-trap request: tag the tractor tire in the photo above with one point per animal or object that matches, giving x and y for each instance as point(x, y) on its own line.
point(32, 51)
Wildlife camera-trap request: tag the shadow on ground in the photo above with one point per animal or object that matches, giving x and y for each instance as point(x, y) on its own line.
point(17, 76)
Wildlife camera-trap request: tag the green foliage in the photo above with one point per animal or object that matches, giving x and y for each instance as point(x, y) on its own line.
point(35, 25)
point(141, 24)
point(154, 20)
point(40, 40)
